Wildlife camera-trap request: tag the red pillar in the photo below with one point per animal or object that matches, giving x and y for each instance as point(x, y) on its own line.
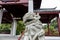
point(48, 29)
point(59, 25)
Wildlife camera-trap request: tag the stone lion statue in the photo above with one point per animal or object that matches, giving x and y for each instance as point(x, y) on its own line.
point(33, 30)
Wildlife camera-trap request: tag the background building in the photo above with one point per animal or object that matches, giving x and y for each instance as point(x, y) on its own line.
point(11, 12)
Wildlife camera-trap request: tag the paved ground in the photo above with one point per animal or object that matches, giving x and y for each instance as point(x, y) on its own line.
point(15, 38)
point(52, 38)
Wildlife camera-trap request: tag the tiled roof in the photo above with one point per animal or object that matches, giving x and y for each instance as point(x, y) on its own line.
point(24, 1)
point(21, 1)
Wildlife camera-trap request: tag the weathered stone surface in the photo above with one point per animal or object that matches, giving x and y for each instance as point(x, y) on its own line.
point(34, 30)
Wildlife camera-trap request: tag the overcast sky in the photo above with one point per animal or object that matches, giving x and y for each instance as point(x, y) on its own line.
point(51, 4)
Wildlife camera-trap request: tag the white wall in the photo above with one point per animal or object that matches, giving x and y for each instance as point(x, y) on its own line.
point(50, 4)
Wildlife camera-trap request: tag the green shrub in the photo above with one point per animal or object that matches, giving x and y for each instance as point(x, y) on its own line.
point(20, 27)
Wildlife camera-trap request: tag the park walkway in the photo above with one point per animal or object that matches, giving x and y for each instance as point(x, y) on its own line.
point(52, 38)
point(15, 38)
